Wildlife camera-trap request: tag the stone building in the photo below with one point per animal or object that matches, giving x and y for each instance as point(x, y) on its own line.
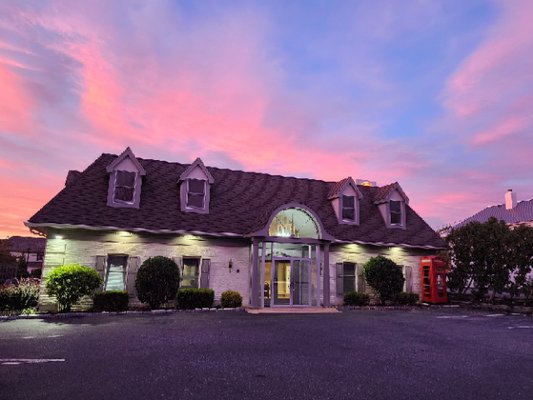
point(279, 241)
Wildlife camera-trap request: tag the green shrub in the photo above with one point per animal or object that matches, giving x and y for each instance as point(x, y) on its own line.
point(405, 299)
point(384, 276)
point(231, 299)
point(356, 299)
point(19, 296)
point(70, 283)
point(112, 300)
point(189, 299)
point(157, 281)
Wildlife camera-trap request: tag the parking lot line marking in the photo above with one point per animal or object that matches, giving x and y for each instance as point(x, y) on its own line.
point(493, 315)
point(452, 316)
point(16, 361)
point(28, 337)
point(54, 335)
point(521, 327)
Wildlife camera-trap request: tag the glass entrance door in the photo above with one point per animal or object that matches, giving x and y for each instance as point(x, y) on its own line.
point(291, 284)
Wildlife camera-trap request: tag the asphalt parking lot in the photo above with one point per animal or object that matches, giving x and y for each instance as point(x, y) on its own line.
point(422, 354)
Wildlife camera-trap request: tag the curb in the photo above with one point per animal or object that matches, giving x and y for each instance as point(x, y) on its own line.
point(115, 313)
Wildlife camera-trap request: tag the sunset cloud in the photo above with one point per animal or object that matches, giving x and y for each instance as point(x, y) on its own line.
point(421, 94)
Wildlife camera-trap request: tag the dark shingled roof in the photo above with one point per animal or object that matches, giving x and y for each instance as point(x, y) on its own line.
point(523, 212)
point(25, 244)
point(241, 203)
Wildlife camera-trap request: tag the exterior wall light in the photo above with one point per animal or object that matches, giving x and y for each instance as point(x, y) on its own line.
point(230, 264)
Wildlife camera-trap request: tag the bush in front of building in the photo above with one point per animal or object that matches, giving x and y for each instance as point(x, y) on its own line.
point(191, 298)
point(231, 299)
point(19, 296)
point(157, 281)
point(112, 300)
point(384, 276)
point(406, 299)
point(69, 283)
point(356, 299)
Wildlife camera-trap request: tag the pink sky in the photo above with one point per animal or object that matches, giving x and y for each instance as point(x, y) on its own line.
point(433, 95)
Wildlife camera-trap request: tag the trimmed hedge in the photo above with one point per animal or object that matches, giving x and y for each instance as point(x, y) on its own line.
point(406, 299)
point(356, 299)
point(21, 296)
point(113, 300)
point(157, 281)
point(191, 298)
point(231, 299)
point(69, 283)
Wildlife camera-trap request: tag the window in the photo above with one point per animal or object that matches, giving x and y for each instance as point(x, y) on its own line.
point(124, 186)
point(348, 208)
point(116, 272)
point(195, 193)
point(190, 272)
point(395, 212)
point(39, 256)
point(346, 278)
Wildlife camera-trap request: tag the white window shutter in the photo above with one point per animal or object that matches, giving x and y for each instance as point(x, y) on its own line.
point(408, 275)
point(101, 269)
point(340, 278)
point(204, 273)
point(133, 266)
point(360, 278)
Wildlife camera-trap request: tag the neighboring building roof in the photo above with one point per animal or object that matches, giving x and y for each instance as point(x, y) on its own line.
point(523, 212)
point(23, 244)
point(241, 203)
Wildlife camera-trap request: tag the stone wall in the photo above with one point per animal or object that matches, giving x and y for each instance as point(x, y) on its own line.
point(360, 254)
point(82, 247)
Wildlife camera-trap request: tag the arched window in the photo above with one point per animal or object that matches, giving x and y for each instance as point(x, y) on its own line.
point(294, 222)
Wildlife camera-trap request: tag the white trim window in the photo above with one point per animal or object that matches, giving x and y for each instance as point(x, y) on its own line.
point(116, 272)
point(196, 193)
point(190, 272)
point(348, 208)
point(395, 211)
point(124, 187)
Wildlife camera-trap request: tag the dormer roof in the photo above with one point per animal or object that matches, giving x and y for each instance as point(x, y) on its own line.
point(339, 187)
point(128, 153)
point(384, 193)
point(198, 163)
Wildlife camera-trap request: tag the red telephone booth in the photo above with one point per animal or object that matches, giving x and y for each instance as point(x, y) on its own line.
point(433, 276)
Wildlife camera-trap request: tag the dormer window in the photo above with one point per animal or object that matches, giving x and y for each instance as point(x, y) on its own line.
point(345, 199)
point(348, 208)
point(195, 193)
point(395, 208)
point(195, 188)
point(125, 181)
point(124, 186)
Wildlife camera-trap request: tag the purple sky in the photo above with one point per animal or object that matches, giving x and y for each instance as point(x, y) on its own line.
point(435, 95)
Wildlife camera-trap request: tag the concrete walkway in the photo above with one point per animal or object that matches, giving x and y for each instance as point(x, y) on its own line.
point(292, 310)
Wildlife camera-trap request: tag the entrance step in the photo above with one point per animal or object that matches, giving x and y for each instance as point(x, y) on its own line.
point(292, 310)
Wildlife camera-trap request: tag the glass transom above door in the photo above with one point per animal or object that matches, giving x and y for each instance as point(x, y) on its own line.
point(294, 223)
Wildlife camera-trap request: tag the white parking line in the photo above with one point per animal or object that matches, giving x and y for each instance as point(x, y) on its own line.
point(520, 327)
point(493, 315)
point(452, 316)
point(17, 361)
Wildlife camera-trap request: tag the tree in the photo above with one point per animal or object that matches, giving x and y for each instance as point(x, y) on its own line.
point(384, 276)
point(520, 260)
point(8, 263)
point(69, 283)
point(22, 268)
point(157, 281)
point(479, 258)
